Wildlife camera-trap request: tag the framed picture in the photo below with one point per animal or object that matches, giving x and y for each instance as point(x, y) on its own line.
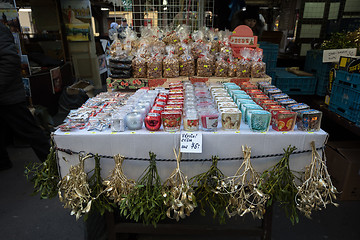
point(78, 32)
point(56, 79)
point(102, 63)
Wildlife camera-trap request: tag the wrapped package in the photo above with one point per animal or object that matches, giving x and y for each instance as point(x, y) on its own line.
point(170, 64)
point(244, 63)
point(139, 66)
point(187, 63)
point(205, 65)
point(221, 67)
point(258, 67)
point(232, 66)
point(154, 66)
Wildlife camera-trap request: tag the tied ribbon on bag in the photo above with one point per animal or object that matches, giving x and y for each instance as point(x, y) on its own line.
point(179, 196)
point(317, 190)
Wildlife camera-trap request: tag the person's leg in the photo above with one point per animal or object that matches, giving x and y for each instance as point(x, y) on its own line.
point(23, 124)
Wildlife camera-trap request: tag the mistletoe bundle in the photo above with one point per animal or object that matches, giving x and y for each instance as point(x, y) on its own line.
point(180, 198)
point(74, 190)
point(206, 193)
point(242, 188)
point(145, 202)
point(279, 184)
point(44, 176)
point(118, 185)
point(317, 190)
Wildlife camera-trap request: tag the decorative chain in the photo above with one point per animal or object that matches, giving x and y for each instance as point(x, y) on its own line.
point(71, 152)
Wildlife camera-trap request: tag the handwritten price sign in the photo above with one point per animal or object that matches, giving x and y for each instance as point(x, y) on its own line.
point(191, 142)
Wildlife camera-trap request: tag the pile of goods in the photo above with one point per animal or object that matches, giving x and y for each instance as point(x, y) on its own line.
point(197, 107)
point(168, 54)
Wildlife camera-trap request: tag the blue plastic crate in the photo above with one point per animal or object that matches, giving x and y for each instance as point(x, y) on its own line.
point(345, 101)
point(293, 84)
point(351, 80)
point(314, 64)
point(270, 54)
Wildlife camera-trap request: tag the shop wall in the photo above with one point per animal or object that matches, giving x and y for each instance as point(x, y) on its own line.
point(45, 15)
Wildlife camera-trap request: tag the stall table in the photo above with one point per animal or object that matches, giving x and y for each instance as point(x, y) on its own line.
point(266, 151)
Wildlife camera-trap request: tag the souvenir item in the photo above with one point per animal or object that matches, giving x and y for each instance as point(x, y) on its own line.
point(284, 121)
point(209, 119)
point(309, 120)
point(230, 118)
point(171, 120)
point(259, 120)
point(134, 120)
point(153, 121)
point(191, 120)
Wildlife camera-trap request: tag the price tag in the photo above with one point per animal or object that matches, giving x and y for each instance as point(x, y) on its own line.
point(113, 133)
point(310, 132)
point(152, 132)
point(132, 132)
point(284, 132)
point(237, 132)
point(67, 133)
point(93, 132)
point(191, 142)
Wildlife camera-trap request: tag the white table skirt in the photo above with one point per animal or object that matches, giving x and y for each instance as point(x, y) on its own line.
point(225, 144)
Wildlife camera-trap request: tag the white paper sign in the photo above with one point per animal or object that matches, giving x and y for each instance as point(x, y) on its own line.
point(333, 55)
point(191, 142)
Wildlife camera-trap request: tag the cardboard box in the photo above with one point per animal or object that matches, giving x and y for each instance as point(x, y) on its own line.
point(343, 162)
point(349, 64)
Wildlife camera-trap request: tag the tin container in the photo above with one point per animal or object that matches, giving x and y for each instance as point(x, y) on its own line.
point(236, 91)
point(153, 121)
point(191, 120)
point(258, 97)
point(284, 120)
point(309, 120)
point(230, 118)
point(278, 97)
point(239, 102)
point(233, 87)
point(222, 105)
point(297, 107)
point(241, 96)
point(259, 120)
point(171, 120)
point(262, 84)
point(223, 99)
point(286, 102)
point(275, 90)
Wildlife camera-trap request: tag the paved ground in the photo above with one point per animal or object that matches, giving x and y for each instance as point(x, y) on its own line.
point(23, 216)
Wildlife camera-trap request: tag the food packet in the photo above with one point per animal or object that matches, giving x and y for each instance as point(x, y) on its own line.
point(244, 63)
point(154, 66)
point(139, 65)
point(215, 44)
point(198, 45)
point(171, 38)
point(170, 64)
point(187, 63)
point(221, 67)
point(205, 65)
point(232, 66)
point(258, 67)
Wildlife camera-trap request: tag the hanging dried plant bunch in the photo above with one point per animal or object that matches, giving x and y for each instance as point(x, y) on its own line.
point(145, 203)
point(118, 185)
point(179, 196)
point(279, 184)
point(317, 190)
point(245, 197)
point(206, 194)
point(74, 190)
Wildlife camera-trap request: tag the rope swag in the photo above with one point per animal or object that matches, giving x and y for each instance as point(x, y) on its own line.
point(149, 201)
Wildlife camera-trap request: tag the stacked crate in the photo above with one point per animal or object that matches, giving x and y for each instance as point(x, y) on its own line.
point(270, 55)
point(292, 84)
point(345, 96)
point(314, 65)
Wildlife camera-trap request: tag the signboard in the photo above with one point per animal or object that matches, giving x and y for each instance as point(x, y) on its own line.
point(191, 142)
point(333, 55)
point(241, 37)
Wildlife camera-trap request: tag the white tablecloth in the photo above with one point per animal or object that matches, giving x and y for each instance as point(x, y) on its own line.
point(225, 144)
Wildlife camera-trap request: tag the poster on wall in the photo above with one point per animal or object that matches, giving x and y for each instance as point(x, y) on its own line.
point(76, 12)
point(10, 18)
point(7, 4)
point(56, 79)
point(78, 32)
